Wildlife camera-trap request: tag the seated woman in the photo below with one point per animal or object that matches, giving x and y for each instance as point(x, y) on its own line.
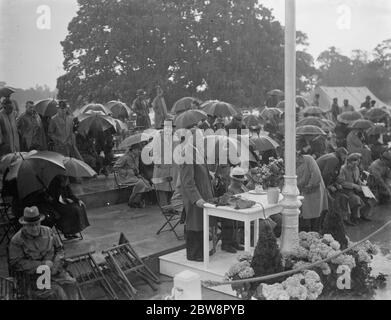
point(71, 212)
point(128, 172)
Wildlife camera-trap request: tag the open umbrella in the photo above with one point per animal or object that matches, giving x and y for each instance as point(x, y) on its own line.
point(349, 117)
point(95, 107)
point(218, 108)
point(9, 158)
point(6, 91)
point(118, 109)
point(264, 143)
point(135, 139)
point(46, 107)
point(276, 92)
point(310, 121)
point(361, 124)
point(302, 102)
point(35, 171)
point(189, 119)
point(252, 121)
point(245, 142)
point(328, 123)
point(95, 121)
point(77, 168)
point(376, 114)
point(183, 104)
point(120, 125)
point(313, 111)
point(377, 128)
point(270, 113)
point(310, 131)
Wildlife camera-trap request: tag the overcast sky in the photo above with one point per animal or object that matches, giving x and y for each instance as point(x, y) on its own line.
point(30, 56)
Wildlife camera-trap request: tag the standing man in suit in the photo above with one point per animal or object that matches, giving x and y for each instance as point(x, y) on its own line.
point(196, 190)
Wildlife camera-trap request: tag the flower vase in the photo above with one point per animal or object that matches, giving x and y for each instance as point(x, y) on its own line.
point(273, 195)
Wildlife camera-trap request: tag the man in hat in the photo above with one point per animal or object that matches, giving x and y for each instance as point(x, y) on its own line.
point(367, 103)
point(31, 129)
point(355, 142)
point(9, 136)
point(380, 176)
point(140, 107)
point(335, 110)
point(160, 108)
point(35, 245)
point(60, 131)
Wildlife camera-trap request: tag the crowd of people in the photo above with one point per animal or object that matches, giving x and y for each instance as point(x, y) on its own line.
point(346, 172)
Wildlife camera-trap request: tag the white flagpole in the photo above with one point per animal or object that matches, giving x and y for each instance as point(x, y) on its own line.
point(291, 203)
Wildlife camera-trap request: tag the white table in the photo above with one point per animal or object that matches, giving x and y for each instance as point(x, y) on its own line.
point(245, 215)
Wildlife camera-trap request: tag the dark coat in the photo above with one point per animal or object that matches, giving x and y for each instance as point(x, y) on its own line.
point(195, 185)
point(329, 165)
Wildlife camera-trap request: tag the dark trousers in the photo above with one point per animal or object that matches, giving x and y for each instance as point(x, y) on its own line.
point(229, 232)
point(194, 245)
point(309, 225)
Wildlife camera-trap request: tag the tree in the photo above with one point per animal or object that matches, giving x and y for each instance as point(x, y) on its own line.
point(233, 49)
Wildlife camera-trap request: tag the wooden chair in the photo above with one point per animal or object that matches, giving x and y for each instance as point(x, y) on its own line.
point(86, 271)
point(8, 223)
point(123, 260)
point(7, 289)
point(172, 217)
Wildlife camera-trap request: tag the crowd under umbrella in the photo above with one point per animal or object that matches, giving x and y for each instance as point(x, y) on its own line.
point(35, 171)
point(118, 109)
point(270, 113)
point(95, 121)
point(313, 111)
point(377, 114)
point(94, 107)
point(46, 107)
point(264, 143)
point(252, 121)
point(310, 121)
point(218, 108)
point(189, 119)
point(377, 128)
point(135, 139)
point(361, 124)
point(309, 130)
point(77, 168)
point(183, 105)
point(6, 91)
point(349, 117)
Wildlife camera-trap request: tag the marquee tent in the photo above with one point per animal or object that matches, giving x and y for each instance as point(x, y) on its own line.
point(355, 95)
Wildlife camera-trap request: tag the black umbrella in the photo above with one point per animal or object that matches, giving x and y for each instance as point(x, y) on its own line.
point(6, 91)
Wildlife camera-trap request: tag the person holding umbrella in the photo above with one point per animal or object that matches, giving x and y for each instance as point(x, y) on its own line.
point(9, 136)
point(160, 108)
point(31, 129)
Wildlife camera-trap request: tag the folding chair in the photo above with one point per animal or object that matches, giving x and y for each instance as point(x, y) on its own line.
point(86, 271)
point(8, 223)
point(7, 289)
point(123, 260)
point(172, 216)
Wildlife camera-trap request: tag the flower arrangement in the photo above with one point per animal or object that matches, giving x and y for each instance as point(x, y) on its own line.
point(270, 175)
point(320, 281)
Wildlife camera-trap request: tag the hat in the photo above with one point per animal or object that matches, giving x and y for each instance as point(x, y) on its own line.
point(31, 215)
point(238, 116)
point(140, 92)
point(342, 150)
point(354, 157)
point(238, 174)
